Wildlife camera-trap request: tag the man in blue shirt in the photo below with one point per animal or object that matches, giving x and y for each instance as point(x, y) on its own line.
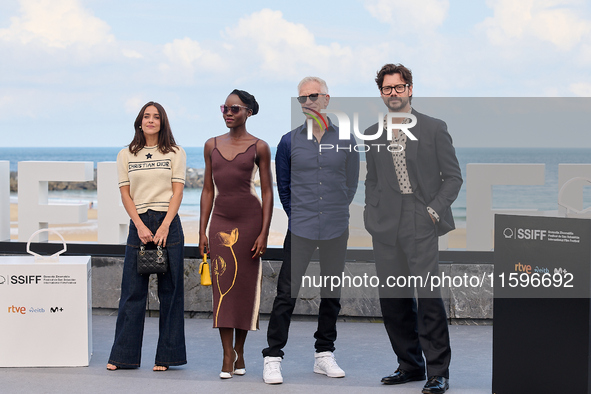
point(316, 186)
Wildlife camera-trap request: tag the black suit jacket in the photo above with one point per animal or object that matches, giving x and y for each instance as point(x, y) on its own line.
point(434, 174)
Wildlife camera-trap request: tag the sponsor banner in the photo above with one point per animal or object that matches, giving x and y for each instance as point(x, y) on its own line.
point(542, 257)
point(541, 305)
point(46, 310)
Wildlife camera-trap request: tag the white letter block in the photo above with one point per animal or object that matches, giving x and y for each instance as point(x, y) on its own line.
point(34, 211)
point(573, 194)
point(113, 220)
point(4, 200)
point(479, 213)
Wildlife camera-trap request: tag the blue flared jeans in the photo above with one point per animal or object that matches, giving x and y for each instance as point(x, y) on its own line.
point(129, 331)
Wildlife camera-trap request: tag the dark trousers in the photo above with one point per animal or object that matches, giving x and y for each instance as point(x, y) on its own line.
point(414, 331)
point(297, 252)
point(129, 330)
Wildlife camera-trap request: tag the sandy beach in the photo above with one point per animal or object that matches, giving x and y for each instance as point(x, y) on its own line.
point(87, 232)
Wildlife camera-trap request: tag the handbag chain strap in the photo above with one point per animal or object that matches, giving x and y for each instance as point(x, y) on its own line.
point(143, 250)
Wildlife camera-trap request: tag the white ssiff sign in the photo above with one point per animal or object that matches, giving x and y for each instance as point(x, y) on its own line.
point(45, 312)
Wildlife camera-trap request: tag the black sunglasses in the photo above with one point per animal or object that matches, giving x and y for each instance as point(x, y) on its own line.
point(234, 108)
point(313, 97)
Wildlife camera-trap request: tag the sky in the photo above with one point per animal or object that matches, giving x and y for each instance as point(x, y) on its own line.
point(76, 72)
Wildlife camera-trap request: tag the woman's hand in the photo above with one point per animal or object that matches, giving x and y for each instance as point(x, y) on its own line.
point(161, 235)
point(260, 246)
point(144, 234)
point(203, 244)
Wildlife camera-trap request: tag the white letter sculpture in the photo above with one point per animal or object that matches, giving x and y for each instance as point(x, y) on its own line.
point(4, 200)
point(34, 210)
point(112, 217)
point(479, 213)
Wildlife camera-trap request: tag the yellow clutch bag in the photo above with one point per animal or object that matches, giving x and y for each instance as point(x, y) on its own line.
point(204, 271)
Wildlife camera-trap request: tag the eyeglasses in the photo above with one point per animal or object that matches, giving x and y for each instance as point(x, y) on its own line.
point(398, 88)
point(234, 108)
point(313, 97)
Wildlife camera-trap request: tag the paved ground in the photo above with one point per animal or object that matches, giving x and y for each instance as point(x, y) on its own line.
point(363, 351)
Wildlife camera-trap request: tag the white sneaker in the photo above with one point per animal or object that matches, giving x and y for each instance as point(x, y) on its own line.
point(272, 370)
point(325, 364)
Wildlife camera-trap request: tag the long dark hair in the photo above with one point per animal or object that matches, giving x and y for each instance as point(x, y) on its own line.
point(166, 143)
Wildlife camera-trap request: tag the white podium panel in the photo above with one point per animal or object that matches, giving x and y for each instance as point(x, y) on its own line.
point(45, 312)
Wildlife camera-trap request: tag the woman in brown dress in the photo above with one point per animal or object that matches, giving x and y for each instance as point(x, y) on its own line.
point(239, 226)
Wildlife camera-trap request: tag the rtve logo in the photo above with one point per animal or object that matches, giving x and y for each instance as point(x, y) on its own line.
point(17, 309)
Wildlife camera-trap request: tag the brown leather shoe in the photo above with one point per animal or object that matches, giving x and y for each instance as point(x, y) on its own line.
point(402, 376)
point(436, 385)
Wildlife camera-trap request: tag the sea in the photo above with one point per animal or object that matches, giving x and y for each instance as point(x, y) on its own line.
point(542, 197)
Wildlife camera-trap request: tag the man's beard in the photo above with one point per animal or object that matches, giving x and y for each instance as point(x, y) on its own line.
point(395, 104)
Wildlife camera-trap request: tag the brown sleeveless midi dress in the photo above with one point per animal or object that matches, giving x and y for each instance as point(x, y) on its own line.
point(236, 223)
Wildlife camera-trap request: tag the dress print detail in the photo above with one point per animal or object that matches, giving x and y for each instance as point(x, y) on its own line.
point(219, 265)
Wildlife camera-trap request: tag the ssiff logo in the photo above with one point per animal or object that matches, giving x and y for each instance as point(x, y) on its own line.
point(525, 233)
point(25, 279)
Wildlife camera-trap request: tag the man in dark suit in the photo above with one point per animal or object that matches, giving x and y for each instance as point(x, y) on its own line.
point(409, 191)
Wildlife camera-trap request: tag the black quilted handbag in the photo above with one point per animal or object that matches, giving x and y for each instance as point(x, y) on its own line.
point(152, 261)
